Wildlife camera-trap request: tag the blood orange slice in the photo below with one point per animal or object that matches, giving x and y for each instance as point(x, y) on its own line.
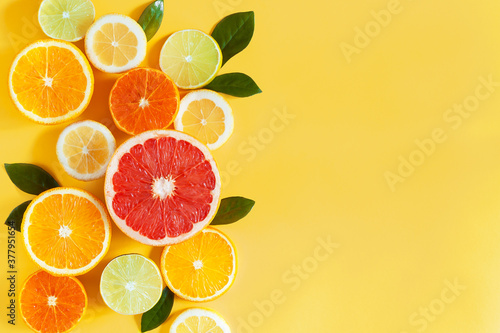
point(162, 187)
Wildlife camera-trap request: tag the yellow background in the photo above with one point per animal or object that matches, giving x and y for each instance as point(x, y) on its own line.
point(321, 176)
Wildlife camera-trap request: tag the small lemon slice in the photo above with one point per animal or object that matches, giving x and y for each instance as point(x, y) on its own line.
point(191, 58)
point(199, 320)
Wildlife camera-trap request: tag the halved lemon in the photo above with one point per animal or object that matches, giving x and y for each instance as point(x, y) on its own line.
point(84, 149)
point(115, 43)
point(131, 284)
point(191, 58)
point(199, 320)
point(68, 20)
point(207, 116)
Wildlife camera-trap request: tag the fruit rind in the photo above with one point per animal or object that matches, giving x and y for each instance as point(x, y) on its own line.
point(109, 192)
point(107, 227)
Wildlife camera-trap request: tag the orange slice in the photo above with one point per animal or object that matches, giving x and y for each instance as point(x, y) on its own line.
point(199, 320)
point(143, 99)
point(66, 231)
point(84, 149)
point(201, 268)
point(51, 81)
point(115, 43)
point(52, 304)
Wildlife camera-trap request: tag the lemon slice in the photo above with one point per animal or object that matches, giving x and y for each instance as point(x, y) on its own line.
point(115, 43)
point(199, 320)
point(84, 149)
point(207, 116)
point(68, 20)
point(131, 284)
point(191, 58)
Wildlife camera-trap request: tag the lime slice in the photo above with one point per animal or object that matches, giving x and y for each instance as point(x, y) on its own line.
point(191, 58)
point(131, 284)
point(68, 20)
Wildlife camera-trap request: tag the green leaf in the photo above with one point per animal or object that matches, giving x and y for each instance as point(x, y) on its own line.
point(30, 178)
point(233, 33)
point(151, 18)
point(159, 313)
point(15, 218)
point(232, 209)
point(234, 84)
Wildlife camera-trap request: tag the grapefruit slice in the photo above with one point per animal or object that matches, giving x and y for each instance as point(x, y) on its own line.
point(162, 187)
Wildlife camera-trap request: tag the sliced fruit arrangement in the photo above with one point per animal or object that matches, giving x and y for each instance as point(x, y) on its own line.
point(199, 320)
point(84, 149)
point(52, 304)
point(201, 268)
point(51, 81)
point(68, 20)
point(207, 116)
point(162, 187)
point(131, 284)
point(143, 99)
point(191, 58)
point(115, 43)
point(66, 231)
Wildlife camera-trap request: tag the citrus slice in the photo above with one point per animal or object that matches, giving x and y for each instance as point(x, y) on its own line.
point(131, 284)
point(201, 268)
point(199, 320)
point(143, 99)
point(84, 149)
point(66, 231)
point(162, 187)
point(115, 43)
point(191, 58)
point(52, 304)
point(207, 116)
point(68, 20)
point(51, 81)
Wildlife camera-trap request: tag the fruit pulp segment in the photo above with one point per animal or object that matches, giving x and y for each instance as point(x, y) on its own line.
point(49, 81)
point(182, 165)
point(199, 324)
point(205, 120)
point(190, 58)
point(114, 44)
point(215, 256)
point(85, 149)
point(143, 103)
point(66, 19)
point(69, 302)
point(66, 231)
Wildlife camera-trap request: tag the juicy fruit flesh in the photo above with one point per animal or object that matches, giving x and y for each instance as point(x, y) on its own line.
point(86, 150)
point(49, 81)
point(144, 99)
point(190, 58)
point(201, 266)
point(186, 177)
point(199, 324)
point(52, 304)
point(66, 231)
point(67, 20)
point(205, 120)
point(131, 284)
point(115, 45)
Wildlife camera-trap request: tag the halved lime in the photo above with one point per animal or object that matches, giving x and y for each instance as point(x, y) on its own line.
point(68, 20)
point(191, 58)
point(131, 284)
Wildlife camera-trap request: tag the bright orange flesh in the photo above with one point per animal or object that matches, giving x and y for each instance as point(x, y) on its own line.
point(51, 304)
point(143, 99)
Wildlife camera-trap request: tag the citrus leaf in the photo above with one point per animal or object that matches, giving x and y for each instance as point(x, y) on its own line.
point(151, 18)
point(15, 218)
point(234, 84)
point(30, 178)
point(159, 313)
point(233, 33)
point(232, 209)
